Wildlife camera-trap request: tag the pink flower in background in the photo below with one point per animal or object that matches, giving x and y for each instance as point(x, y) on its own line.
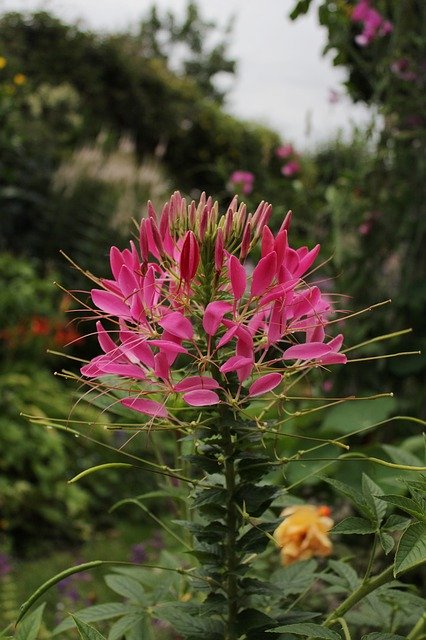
point(190, 321)
point(285, 151)
point(402, 69)
point(291, 169)
point(374, 25)
point(243, 180)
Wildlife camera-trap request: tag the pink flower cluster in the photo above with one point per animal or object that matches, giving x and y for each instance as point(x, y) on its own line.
point(191, 322)
point(373, 23)
point(242, 180)
point(292, 166)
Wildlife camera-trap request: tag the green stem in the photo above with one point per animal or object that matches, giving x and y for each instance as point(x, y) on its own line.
point(232, 523)
point(345, 628)
point(419, 629)
point(366, 587)
point(371, 560)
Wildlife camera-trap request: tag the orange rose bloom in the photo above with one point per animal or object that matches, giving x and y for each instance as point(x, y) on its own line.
point(303, 533)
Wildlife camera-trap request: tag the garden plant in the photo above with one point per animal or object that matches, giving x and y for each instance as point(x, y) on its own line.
point(211, 329)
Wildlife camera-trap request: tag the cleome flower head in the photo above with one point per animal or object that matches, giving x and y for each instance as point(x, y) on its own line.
point(195, 317)
point(304, 533)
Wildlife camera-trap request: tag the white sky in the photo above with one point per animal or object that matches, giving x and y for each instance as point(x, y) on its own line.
point(282, 80)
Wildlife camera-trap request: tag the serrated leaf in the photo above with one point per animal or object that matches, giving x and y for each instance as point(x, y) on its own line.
point(295, 578)
point(30, 626)
point(371, 491)
point(126, 587)
point(411, 550)
point(354, 525)
point(256, 498)
point(208, 496)
point(408, 505)
point(94, 614)
point(386, 541)
point(308, 629)
point(249, 619)
point(87, 632)
point(396, 523)
point(346, 572)
point(189, 625)
point(355, 496)
point(124, 624)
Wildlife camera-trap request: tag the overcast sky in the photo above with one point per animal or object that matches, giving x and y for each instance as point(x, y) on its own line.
point(282, 80)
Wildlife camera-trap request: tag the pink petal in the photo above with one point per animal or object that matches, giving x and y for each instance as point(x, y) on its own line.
point(110, 303)
point(127, 281)
point(116, 261)
point(149, 287)
point(126, 370)
point(308, 351)
point(308, 260)
point(195, 383)
point(268, 241)
point(234, 363)
point(91, 369)
point(265, 383)
point(333, 358)
point(263, 274)
point(189, 257)
point(136, 348)
point(176, 324)
point(149, 407)
point(201, 398)
point(105, 341)
point(238, 277)
point(336, 343)
point(213, 315)
point(161, 366)
point(168, 346)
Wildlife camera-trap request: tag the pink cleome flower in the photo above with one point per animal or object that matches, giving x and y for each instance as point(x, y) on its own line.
point(291, 169)
point(242, 179)
point(189, 320)
point(374, 25)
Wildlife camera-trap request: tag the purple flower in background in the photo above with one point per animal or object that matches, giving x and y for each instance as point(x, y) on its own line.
point(243, 180)
point(5, 564)
point(285, 151)
point(374, 25)
point(333, 96)
point(138, 553)
point(291, 169)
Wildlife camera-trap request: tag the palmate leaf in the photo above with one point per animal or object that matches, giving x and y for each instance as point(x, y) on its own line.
point(411, 550)
point(355, 496)
point(87, 632)
point(308, 629)
point(414, 507)
point(29, 627)
point(125, 624)
point(371, 492)
point(127, 587)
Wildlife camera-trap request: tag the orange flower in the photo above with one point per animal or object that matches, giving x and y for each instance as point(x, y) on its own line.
point(303, 533)
point(19, 79)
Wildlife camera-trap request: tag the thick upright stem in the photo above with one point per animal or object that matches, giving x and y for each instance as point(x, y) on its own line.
point(232, 524)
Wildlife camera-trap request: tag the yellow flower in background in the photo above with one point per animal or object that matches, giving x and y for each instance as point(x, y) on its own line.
point(3, 62)
point(304, 533)
point(19, 79)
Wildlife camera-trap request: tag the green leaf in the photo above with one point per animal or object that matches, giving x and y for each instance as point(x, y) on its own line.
point(124, 624)
point(189, 625)
point(408, 505)
point(307, 629)
point(355, 496)
point(208, 496)
point(354, 525)
point(351, 416)
point(401, 456)
point(411, 550)
point(396, 523)
point(127, 587)
point(301, 8)
point(249, 619)
point(86, 631)
point(256, 498)
point(295, 578)
point(346, 572)
point(94, 614)
point(370, 492)
point(30, 626)
point(386, 541)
